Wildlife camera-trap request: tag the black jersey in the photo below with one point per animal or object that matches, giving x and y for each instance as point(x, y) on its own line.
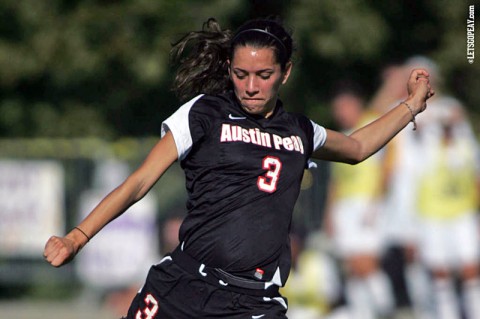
point(243, 175)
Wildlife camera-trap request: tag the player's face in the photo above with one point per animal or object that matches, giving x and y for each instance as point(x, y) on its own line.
point(257, 77)
point(347, 110)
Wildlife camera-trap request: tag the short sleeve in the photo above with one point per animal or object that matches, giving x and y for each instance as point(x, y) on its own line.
point(319, 136)
point(179, 124)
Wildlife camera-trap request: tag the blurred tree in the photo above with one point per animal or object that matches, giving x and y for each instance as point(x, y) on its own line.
point(100, 67)
point(336, 40)
point(355, 39)
point(79, 68)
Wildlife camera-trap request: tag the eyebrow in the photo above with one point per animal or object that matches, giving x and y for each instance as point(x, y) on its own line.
point(269, 70)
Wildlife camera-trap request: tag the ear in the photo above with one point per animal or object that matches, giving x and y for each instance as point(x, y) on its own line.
point(286, 73)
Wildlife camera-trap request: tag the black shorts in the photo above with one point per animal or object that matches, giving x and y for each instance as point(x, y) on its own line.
point(170, 292)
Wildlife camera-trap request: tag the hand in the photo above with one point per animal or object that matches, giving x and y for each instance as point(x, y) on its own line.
point(419, 89)
point(59, 251)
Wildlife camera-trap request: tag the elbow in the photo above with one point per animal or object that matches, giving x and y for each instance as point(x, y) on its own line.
point(345, 149)
point(354, 160)
point(360, 158)
point(346, 158)
point(357, 155)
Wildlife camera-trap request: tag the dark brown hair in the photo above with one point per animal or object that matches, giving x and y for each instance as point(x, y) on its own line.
point(202, 56)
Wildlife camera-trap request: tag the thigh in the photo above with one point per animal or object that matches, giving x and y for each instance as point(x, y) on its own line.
point(467, 240)
point(154, 299)
point(357, 230)
point(239, 306)
point(170, 292)
point(434, 244)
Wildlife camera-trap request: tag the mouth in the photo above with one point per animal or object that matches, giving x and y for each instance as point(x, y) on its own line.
point(251, 103)
point(252, 99)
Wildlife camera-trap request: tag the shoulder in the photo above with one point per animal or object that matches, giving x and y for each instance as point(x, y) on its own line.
point(310, 128)
point(210, 104)
point(200, 107)
point(299, 119)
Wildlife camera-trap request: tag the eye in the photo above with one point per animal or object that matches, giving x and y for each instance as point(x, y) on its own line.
point(240, 75)
point(265, 75)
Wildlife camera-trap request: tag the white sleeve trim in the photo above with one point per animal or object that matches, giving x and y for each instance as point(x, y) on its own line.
point(319, 136)
point(179, 125)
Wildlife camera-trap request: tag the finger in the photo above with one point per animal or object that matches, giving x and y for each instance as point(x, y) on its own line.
point(63, 256)
point(424, 82)
point(53, 248)
point(420, 72)
point(56, 257)
point(51, 256)
point(48, 247)
point(422, 76)
point(52, 244)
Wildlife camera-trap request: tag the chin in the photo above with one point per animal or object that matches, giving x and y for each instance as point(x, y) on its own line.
point(253, 109)
point(249, 110)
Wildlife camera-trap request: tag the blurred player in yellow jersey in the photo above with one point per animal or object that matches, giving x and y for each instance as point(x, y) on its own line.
point(313, 287)
point(352, 217)
point(448, 200)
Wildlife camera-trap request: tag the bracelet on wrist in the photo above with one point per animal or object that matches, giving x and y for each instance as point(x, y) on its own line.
point(411, 112)
point(85, 234)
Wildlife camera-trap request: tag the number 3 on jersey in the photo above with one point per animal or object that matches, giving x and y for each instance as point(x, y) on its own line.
point(148, 312)
point(268, 182)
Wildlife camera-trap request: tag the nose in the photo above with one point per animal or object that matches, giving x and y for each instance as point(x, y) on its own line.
point(252, 86)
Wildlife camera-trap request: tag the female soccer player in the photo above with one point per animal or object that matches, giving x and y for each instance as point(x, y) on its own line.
point(243, 157)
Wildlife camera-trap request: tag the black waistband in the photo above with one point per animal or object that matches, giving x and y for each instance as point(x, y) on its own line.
point(223, 279)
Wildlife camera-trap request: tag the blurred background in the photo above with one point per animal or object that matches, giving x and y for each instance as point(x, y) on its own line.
point(85, 85)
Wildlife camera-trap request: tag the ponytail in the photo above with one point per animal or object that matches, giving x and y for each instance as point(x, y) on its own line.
point(203, 61)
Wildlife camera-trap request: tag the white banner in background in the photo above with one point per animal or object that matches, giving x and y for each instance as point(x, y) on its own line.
point(121, 254)
point(31, 206)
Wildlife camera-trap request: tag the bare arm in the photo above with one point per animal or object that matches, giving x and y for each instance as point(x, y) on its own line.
point(60, 250)
point(392, 89)
point(367, 140)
